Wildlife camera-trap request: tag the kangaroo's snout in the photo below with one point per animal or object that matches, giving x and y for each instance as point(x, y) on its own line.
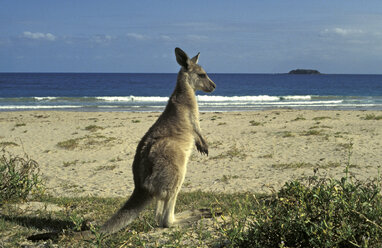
point(210, 87)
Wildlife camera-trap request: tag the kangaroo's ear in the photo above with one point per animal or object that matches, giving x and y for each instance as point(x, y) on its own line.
point(182, 58)
point(195, 59)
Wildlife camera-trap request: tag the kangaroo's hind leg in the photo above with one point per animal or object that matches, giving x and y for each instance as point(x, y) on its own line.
point(159, 211)
point(189, 216)
point(168, 215)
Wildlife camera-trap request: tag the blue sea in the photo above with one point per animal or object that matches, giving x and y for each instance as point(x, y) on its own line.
point(150, 92)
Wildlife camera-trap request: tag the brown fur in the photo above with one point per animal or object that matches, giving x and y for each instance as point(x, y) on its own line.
point(161, 157)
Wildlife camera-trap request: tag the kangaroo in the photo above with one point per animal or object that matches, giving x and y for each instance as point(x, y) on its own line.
point(160, 161)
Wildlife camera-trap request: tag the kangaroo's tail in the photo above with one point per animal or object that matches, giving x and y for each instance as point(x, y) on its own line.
point(128, 212)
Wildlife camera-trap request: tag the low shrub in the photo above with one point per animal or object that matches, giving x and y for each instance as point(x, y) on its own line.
point(323, 213)
point(19, 177)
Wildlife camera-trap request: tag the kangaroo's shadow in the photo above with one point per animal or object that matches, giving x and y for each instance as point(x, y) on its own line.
point(55, 227)
point(41, 223)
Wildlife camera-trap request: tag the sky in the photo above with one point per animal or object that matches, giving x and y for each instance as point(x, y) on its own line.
point(246, 36)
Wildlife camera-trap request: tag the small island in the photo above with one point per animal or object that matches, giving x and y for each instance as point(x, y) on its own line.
point(304, 71)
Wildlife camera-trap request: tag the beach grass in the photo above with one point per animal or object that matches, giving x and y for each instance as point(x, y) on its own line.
point(318, 212)
point(7, 143)
point(312, 212)
point(373, 117)
point(19, 177)
point(86, 142)
point(231, 153)
point(93, 128)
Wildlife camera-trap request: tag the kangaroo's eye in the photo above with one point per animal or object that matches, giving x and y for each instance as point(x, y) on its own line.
point(202, 75)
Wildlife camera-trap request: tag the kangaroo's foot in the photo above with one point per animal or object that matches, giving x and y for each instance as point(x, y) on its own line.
point(190, 216)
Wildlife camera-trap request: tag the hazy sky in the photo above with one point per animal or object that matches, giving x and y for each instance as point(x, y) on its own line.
point(261, 36)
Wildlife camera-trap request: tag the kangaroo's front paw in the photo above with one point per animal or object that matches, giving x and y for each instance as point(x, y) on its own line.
point(202, 147)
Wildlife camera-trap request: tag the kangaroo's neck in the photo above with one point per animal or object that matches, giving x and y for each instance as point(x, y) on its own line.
point(184, 94)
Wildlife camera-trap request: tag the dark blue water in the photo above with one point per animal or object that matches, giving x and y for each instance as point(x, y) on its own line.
point(149, 92)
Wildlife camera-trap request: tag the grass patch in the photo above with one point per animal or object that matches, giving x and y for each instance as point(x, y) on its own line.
point(93, 128)
point(232, 153)
point(86, 142)
point(41, 116)
point(70, 144)
point(70, 163)
point(7, 143)
point(373, 117)
point(320, 118)
point(270, 155)
point(135, 121)
point(286, 134)
point(322, 126)
point(142, 232)
point(255, 123)
point(317, 212)
point(312, 132)
point(227, 178)
point(106, 167)
point(19, 178)
point(299, 118)
point(20, 125)
point(314, 212)
point(215, 117)
point(295, 165)
point(118, 159)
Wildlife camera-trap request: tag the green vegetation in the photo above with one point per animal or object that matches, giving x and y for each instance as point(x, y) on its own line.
point(318, 212)
point(20, 125)
point(255, 123)
point(118, 159)
point(373, 117)
point(299, 118)
point(215, 117)
point(106, 167)
point(286, 134)
point(323, 213)
point(19, 178)
point(86, 142)
point(93, 128)
point(227, 178)
point(312, 132)
point(311, 212)
point(308, 165)
point(70, 144)
point(232, 153)
point(270, 155)
point(70, 163)
point(7, 143)
point(320, 118)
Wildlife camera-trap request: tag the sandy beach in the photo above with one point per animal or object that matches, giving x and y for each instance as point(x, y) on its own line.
point(90, 153)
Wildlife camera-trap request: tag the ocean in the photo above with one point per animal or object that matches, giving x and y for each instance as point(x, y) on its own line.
point(150, 91)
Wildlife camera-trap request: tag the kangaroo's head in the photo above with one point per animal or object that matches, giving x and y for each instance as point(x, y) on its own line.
point(197, 77)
